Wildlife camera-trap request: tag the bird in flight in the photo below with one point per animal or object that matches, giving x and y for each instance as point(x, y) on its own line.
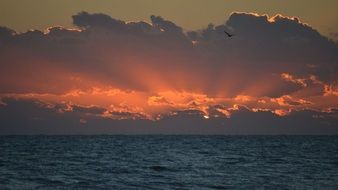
point(229, 35)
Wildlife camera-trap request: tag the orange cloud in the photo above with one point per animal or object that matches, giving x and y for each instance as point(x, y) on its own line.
point(289, 101)
point(291, 78)
point(330, 90)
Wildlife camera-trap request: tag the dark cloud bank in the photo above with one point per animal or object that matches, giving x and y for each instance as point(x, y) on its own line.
point(34, 117)
point(106, 50)
point(262, 49)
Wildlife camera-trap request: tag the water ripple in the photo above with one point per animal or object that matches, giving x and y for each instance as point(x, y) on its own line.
point(168, 162)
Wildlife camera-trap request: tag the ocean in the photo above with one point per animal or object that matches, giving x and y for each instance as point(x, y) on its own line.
point(168, 162)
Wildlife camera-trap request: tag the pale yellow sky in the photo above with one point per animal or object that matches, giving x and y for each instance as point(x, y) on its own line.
point(22, 15)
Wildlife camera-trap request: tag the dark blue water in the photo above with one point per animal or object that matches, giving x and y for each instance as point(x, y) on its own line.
point(169, 162)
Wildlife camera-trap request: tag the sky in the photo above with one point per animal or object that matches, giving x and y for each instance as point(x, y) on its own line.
point(189, 14)
point(167, 67)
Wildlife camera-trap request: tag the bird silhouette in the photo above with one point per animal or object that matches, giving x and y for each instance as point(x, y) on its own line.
point(229, 35)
